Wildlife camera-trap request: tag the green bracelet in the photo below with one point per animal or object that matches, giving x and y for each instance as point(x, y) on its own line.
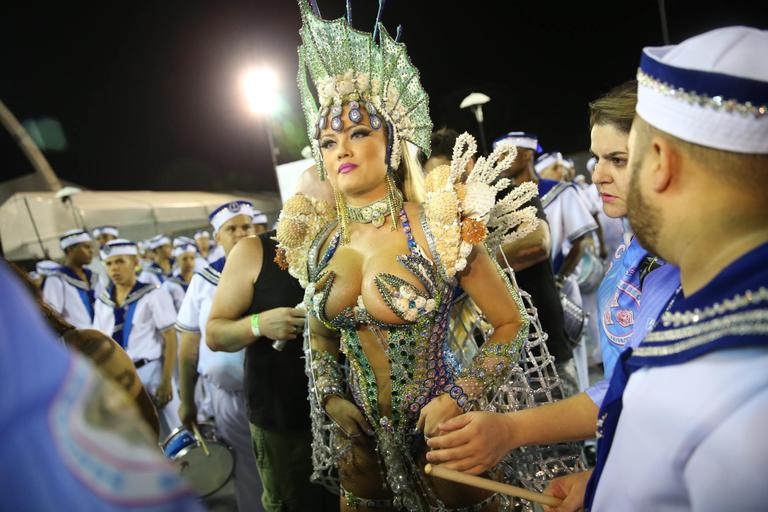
point(255, 325)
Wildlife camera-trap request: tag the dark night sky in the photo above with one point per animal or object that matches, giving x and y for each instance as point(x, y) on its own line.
point(148, 94)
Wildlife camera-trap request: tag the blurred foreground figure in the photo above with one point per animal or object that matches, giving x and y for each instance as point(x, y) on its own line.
point(72, 440)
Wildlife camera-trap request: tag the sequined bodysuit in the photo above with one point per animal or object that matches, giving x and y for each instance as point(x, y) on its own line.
point(421, 363)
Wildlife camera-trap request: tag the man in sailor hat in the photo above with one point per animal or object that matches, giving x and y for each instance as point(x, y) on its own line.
point(140, 317)
point(70, 288)
point(221, 385)
point(682, 426)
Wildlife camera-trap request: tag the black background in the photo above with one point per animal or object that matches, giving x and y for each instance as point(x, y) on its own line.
point(147, 92)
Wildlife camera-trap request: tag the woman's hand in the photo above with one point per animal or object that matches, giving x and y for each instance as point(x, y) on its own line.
point(347, 417)
point(440, 409)
point(473, 442)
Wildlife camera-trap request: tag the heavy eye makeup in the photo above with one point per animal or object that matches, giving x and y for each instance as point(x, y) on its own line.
point(358, 132)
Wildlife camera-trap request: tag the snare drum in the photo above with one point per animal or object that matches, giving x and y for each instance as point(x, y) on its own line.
point(206, 474)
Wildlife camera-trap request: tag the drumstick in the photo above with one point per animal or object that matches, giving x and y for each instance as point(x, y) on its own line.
point(200, 440)
point(491, 485)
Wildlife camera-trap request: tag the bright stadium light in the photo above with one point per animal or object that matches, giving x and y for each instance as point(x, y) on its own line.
point(260, 89)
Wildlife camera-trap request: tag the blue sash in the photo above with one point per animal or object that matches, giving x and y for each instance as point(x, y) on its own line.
point(731, 311)
point(84, 288)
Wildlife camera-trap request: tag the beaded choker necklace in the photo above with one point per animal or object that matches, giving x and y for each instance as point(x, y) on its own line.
point(374, 213)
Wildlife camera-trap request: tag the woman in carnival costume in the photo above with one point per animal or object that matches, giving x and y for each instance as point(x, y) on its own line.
point(380, 269)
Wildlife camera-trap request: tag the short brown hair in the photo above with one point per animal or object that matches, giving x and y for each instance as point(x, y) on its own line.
point(616, 108)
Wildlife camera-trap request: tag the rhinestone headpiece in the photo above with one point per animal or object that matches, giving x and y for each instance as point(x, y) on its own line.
point(366, 70)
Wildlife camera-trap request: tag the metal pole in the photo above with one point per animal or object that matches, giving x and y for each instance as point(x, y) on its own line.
point(28, 146)
point(663, 16)
point(37, 233)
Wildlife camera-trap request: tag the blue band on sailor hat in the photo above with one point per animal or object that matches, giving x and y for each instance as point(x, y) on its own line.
point(73, 237)
point(119, 247)
point(227, 211)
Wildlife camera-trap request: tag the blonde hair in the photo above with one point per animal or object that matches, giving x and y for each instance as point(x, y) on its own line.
point(414, 189)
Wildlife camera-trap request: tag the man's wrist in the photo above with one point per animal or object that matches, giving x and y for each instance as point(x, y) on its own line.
point(255, 330)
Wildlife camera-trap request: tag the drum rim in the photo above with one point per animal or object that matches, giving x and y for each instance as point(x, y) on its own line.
point(182, 428)
point(184, 451)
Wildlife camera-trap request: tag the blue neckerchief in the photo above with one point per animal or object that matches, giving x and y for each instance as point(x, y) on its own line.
point(212, 272)
point(155, 268)
point(692, 327)
point(545, 186)
point(86, 295)
point(218, 265)
point(124, 314)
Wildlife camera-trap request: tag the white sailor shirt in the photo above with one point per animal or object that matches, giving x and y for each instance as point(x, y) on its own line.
point(154, 314)
point(225, 369)
point(64, 292)
point(568, 219)
point(691, 437)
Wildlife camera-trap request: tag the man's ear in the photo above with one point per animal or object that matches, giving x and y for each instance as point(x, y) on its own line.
point(664, 158)
point(217, 237)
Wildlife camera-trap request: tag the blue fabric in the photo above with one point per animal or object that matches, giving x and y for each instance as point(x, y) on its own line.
point(87, 297)
point(218, 265)
point(748, 272)
point(729, 87)
point(618, 302)
point(124, 315)
point(56, 456)
point(546, 185)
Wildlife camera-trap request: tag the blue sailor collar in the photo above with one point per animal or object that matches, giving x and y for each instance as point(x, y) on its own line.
point(212, 273)
point(179, 281)
point(71, 277)
point(138, 291)
point(550, 189)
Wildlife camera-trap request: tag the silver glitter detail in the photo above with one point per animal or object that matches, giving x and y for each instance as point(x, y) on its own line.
point(718, 308)
point(754, 316)
point(693, 98)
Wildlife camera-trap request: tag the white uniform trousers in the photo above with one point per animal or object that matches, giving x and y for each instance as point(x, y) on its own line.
point(151, 374)
point(231, 417)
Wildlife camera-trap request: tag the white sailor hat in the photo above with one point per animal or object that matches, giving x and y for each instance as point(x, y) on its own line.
point(46, 267)
point(158, 241)
point(591, 163)
point(119, 247)
point(182, 240)
point(105, 230)
point(259, 217)
point(73, 237)
point(181, 249)
point(525, 140)
point(711, 89)
point(548, 159)
point(227, 211)
point(201, 233)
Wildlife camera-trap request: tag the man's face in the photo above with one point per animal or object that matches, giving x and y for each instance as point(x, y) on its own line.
point(239, 226)
point(104, 238)
point(121, 269)
point(80, 254)
point(186, 261)
point(642, 215)
point(518, 170)
point(203, 243)
point(164, 252)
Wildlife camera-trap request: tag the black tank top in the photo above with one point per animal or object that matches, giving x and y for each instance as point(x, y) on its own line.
point(275, 383)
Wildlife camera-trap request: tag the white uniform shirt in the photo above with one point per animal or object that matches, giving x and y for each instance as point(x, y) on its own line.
point(568, 219)
point(692, 437)
point(61, 292)
point(215, 254)
point(176, 290)
point(225, 369)
point(154, 314)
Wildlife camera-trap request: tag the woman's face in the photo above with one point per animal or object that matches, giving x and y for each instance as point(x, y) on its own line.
point(609, 146)
point(354, 158)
